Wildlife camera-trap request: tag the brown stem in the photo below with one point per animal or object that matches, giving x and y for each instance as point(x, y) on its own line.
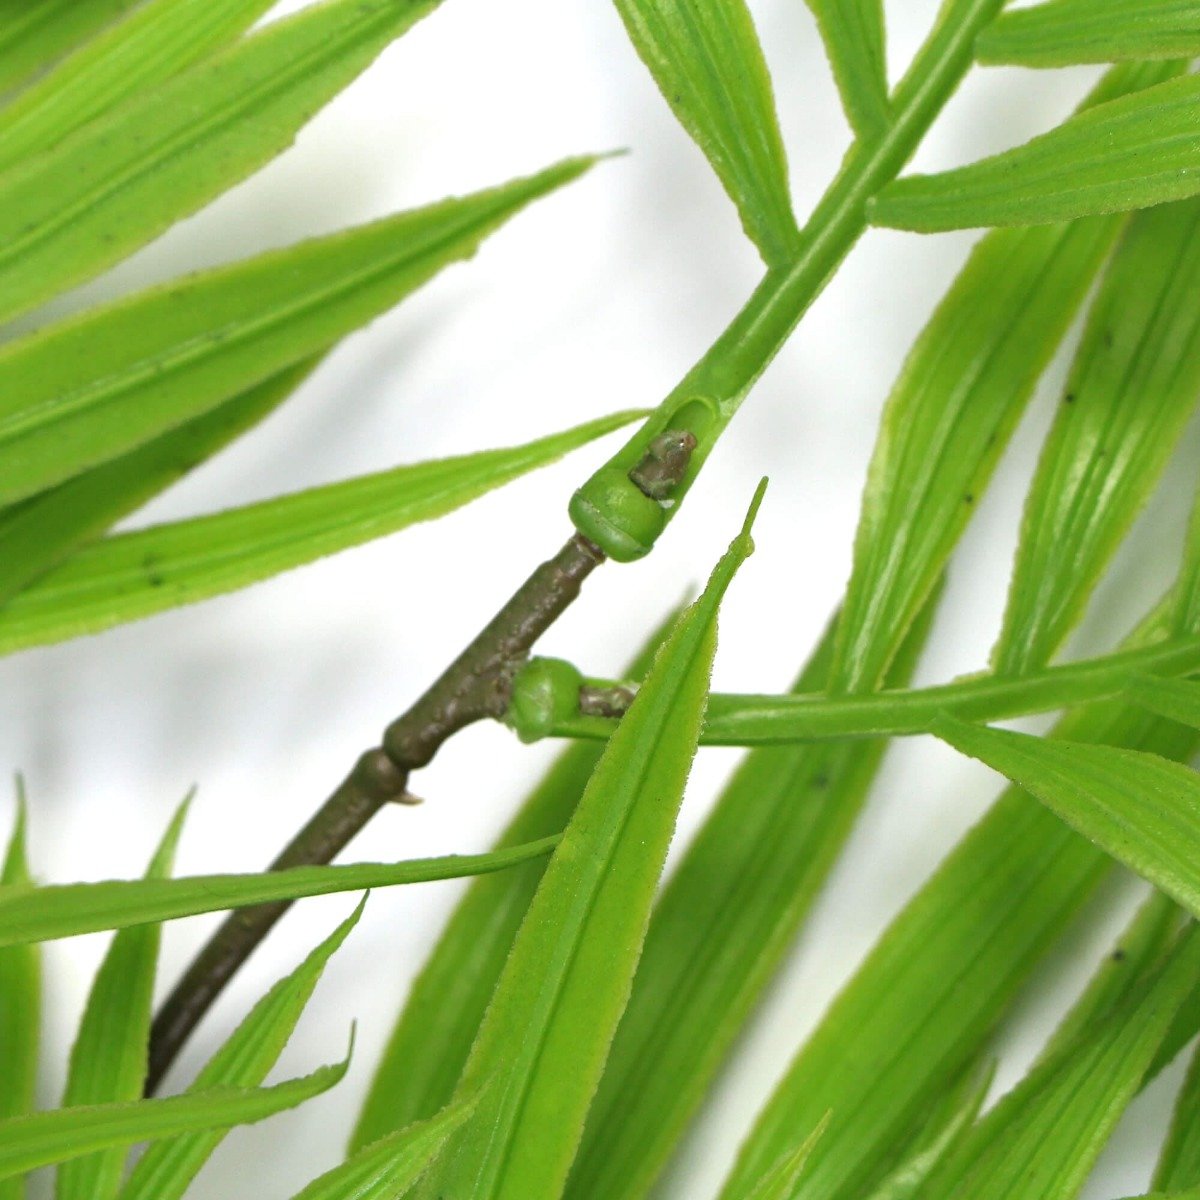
point(476, 685)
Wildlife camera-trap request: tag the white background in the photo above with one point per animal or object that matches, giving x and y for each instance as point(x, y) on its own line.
point(598, 298)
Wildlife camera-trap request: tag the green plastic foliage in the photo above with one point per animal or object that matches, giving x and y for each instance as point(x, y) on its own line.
point(706, 58)
point(38, 533)
point(854, 36)
point(1187, 590)
point(1043, 1138)
point(949, 417)
point(20, 1003)
point(1063, 32)
point(382, 1169)
point(108, 1060)
point(151, 45)
point(1179, 1163)
point(41, 914)
point(429, 1045)
point(542, 1045)
point(45, 1138)
point(1178, 699)
point(1131, 391)
point(1140, 808)
point(780, 1182)
point(68, 214)
point(89, 389)
point(719, 931)
point(168, 1166)
point(34, 34)
point(1132, 152)
point(133, 575)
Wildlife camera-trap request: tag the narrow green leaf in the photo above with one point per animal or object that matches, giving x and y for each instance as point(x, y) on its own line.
point(707, 61)
point(1061, 33)
point(1187, 590)
point(1043, 1138)
point(429, 1045)
point(1179, 1164)
point(122, 180)
point(38, 533)
point(1178, 699)
point(34, 33)
point(42, 913)
point(723, 924)
point(168, 1167)
point(1132, 152)
point(781, 1181)
point(108, 1060)
point(1142, 809)
point(133, 575)
point(1104, 454)
point(853, 33)
point(20, 1002)
point(543, 1042)
point(45, 1138)
point(381, 1170)
point(154, 42)
point(86, 390)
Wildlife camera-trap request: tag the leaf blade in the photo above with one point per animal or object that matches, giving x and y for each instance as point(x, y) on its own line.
point(853, 34)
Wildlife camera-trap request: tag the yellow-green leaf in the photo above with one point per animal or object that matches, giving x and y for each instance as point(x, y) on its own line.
point(853, 33)
point(34, 33)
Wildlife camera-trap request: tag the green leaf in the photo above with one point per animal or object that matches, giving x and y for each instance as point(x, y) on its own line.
point(1140, 808)
point(42, 913)
point(780, 1182)
point(723, 924)
point(38, 533)
point(853, 32)
point(1178, 699)
point(1187, 589)
point(133, 575)
point(949, 417)
point(44, 1138)
point(1063, 32)
point(130, 58)
point(542, 1045)
point(707, 61)
point(34, 33)
point(1043, 1138)
point(1104, 454)
point(1133, 152)
point(1179, 1164)
point(89, 389)
point(168, 1167)
point(382, 1169)
point(108, 1060)
point(124, 179)
point(20, 1001)
point(431, 1040)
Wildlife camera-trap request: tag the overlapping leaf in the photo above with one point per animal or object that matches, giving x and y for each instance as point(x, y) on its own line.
point(42, 913)
point(133, 575)
point(853, 32)
point(1132, 152)
point(1058, 33)
point(90, 389)
point(34, 35)
point(543, 1042)
point(1179, 1164)
point(1131, 391)
point(706, 59)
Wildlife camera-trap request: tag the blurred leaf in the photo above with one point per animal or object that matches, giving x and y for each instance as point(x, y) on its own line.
point(168, 1166)
point(38, 914)
point(1132, 152)
point(1178, 699)
point(124, 179)
point(133, 575)
point(780, 1182)
point(89, 389)
point(1063, 32)
point(20, 1002)
point(431, 1040)
point(543, 1042)
point(34, 33)
point(108, 1060)
point(44, 1138)
point(1179, 1164)
point(707, 61)
point(720, 929)
point(1130, 394)
point(853, 33)
point(1142, 809)
point(38, 533)
point(382, 1169)
point(1187, 602)
point(1044, 1136)
point(153, 43)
